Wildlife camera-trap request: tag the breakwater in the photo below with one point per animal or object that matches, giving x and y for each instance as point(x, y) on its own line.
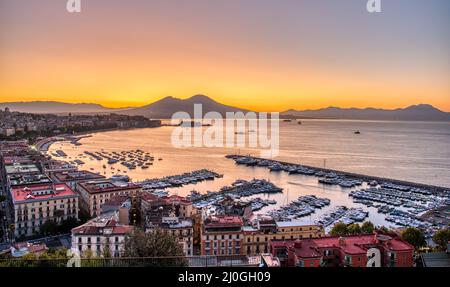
point(350, 175)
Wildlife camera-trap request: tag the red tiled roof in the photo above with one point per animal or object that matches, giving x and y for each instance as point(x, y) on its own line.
point(354, 245)
point(23, 194)
point(95, 228)
point(32, 248)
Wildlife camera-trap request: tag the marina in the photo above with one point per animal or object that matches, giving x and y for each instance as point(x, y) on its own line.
point(303, 206)
point(344, 215)
point(296, 180)
point(240, 189)
point(402, 203)
point(179, 180)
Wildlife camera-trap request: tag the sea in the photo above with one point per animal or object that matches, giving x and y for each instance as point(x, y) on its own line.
point(411, 151)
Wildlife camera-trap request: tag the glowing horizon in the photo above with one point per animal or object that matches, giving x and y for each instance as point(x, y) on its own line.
point(260, 55)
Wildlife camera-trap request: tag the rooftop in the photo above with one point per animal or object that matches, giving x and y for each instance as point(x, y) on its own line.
point(175, 222)
point(21, 168)
point(295, 223)
point(270, 261)
point(358, 244)
point(65, 176)
point(102, 225)
point(28, 179)
point(41, 192)
point(117, 201)
point(224, 221)
point(176, 199)
point(10, 160)
point(102, 186)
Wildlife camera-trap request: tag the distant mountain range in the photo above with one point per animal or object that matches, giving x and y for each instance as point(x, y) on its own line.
point(166, 107)
point(412, 113)
point(47, 107)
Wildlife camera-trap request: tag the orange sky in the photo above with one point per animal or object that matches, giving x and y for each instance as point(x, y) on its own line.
point(126, 56)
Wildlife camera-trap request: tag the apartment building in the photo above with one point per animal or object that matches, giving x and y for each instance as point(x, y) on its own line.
point(101, 237)
point(71, 178)
point(93, 194)
point(263, 230)
point(222, 235)
point(35, 204)
point(181, 228)
point(350, 251)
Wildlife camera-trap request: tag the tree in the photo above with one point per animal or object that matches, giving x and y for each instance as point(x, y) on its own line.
point(49, 228)
point(367, 227)
point(383, 229)
point(67, 225)
point(157, 243)
point(87, 254)
point(441, 238)
point(354, 229)
point(2, 198)
point(414, 236)
point(106, 252)
point(339, 229)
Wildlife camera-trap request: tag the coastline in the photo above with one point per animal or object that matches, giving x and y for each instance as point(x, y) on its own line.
point(44, 144)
